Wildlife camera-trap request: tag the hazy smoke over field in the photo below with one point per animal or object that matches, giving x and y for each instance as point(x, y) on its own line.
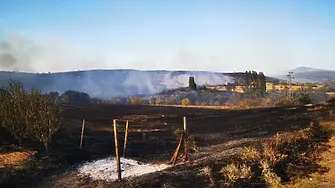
point(18, 53)
point(23, 55)
point(106, 84)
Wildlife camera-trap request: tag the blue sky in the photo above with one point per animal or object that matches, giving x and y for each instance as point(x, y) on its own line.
point(223, 35)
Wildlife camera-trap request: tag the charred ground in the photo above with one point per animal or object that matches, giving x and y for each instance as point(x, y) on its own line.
point(216, 133)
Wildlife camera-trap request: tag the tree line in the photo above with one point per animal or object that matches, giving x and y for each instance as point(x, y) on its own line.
point(255, 82)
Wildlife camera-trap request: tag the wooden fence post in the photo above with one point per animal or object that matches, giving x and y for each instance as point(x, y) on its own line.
point(175, 155)
point(82, 134)
point(117, 158)
point(125, 139)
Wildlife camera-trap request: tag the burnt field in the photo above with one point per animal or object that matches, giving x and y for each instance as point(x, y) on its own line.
point(151, 129)
point(215, 134)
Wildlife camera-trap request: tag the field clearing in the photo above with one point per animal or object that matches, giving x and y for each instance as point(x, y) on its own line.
point(215, 133)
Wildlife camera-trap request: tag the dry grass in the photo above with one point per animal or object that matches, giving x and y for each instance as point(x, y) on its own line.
point(283, 158)
point(208, 173)
point(235, 172)
point(15, 158)
point(268, 175)
point(250, 154)
point(327, 160)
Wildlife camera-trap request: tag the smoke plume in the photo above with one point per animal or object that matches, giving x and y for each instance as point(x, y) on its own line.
point(22, 55)
point(18, 53)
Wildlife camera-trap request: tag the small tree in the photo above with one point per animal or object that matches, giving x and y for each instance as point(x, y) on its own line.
point(247, 80)
point(185, 102)
point(305, 98)
point(75, 97)
point(29, 115)
point(135, 100)
point(54, 95)
point(153, 100)
point(158, 102)
point(262, 84)
point(45, 117)
point(13, 111)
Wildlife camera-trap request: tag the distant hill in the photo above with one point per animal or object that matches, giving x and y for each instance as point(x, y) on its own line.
point(109, 83)
point(309, 74)
point(304, 69)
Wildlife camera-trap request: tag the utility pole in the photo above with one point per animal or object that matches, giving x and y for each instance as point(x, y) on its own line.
point(290, 77)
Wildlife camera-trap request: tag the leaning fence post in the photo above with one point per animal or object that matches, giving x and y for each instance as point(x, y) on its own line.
point(117, 158)
point(82, 134)
point(175, 155)
point(125, 139)
point(185, 140)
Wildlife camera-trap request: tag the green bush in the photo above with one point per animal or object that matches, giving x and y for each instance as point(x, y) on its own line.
point(305, 98)
point(75, 97)
point(29, 115)
point(13, 113)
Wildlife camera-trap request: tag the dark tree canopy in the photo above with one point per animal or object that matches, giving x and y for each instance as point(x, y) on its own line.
point(191, 83)
point(75, 97)
point(255, 82)
point(262, 83)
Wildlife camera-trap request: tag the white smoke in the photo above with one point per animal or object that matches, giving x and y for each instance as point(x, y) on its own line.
point(20, 54)
point(201, 78)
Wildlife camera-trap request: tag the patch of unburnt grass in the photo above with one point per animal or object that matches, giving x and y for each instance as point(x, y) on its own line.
point(277, 160)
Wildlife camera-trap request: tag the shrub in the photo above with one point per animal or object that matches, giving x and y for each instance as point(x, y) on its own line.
point(134, 100)
point(281, 158)
point(29, 115)
point(269, 177)
point(158, 102)
point(13, 111)
point(53, 95)
point(286, 101)
point(234, 99)
point(250, 154)
point(138, 101)
point(208, 173)
point(45, 117)
point(300, 99)
point(75, 97)
point(305, 98)
point(235, 172)
point(185, 101)
point(245, 104)
point(267, 102)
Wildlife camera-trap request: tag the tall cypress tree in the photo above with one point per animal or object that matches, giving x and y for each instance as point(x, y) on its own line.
point(254, 81)
point(191, 83)
point(247, 80)
point(262, 84)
